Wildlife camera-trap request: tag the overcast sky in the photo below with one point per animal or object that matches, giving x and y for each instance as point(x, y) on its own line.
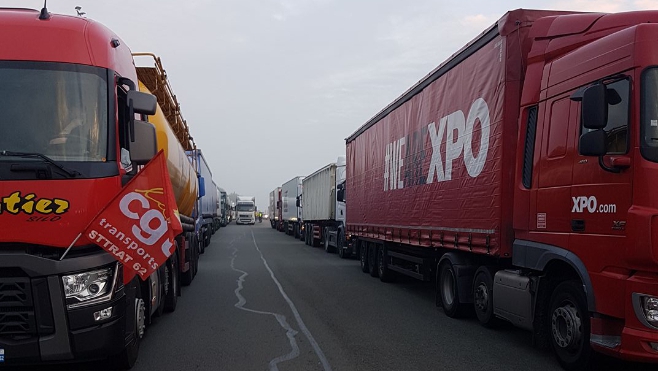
point(271, 88)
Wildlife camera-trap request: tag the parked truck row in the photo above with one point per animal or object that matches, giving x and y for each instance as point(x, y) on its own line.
point(517, 177)
point(78, 119)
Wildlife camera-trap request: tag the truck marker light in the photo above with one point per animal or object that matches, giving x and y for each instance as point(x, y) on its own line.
point(2, 355)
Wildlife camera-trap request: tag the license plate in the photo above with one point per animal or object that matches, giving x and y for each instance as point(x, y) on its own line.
point(2, 355)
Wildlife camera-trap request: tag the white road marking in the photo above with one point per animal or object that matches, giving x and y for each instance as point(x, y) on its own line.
point(290, 332)
point(293, 308)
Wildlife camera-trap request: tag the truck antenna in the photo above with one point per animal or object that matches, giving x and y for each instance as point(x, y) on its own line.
point(44, 15)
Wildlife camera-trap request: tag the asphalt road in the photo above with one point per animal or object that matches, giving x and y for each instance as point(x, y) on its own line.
point(265, 301)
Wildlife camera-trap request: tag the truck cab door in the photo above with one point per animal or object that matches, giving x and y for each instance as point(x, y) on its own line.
point(600, 198)
point(554, 168)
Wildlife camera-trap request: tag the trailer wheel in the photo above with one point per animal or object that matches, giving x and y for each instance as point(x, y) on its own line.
point(188, 276)
point(295, 230)
point(173, 284)
point(448, 290)
point(372, 260)
point(363, 255)
point(302, 232)
point(570, 326)
point(325, 241)
point(385, 275)
point(128, 357)
point(483, 297)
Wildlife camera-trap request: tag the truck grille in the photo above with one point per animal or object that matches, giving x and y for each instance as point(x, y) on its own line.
point(16, 308)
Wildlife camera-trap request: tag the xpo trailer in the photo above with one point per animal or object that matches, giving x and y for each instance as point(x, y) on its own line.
point(519, 174)
point(69, 142)
point(323, 209)
point(291, 210)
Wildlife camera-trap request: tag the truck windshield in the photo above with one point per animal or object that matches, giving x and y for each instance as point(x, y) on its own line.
point(245, 207)
point(55, 109)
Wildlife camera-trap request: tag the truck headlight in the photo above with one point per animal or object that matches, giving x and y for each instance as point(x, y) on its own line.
point(646, 309)
point(650, 308)
point(87, 288)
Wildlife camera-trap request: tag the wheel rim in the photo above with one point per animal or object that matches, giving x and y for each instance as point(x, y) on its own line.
point(140, 317)
point(448, 287)
point(566, 326)
point(481, 297)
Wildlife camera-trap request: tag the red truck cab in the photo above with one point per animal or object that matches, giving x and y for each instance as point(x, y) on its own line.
point(65, 151)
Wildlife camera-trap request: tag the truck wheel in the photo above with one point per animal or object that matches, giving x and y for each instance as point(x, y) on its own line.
point(570, 326)
point(363, 254)
point(483, 297)
point(325, 241)
point(202, 241)
point(173, 284)
point(448, 290)
point(302, 232)
point(341, 245)
point(187, 277)
point(295, 231)
point(128, 357)
point(307, 235)
point(385, 275)
point(372, 260)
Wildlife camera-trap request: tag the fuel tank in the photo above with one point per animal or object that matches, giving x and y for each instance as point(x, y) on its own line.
point(181, 172)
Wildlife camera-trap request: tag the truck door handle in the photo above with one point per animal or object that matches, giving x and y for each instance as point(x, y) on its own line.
point(577, 225)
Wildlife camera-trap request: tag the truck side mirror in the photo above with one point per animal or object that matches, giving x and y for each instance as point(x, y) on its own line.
point(202, 187)
point(595, 107)
point(144, 147)
point(592, 143)
point(143, 103)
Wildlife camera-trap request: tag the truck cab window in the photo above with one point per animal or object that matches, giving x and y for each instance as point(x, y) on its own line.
point(616, 131)
point(649, 115)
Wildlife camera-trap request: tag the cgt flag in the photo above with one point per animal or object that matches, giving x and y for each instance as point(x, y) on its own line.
point(139, 225)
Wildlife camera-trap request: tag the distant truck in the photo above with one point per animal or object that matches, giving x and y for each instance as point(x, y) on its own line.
point(245, 208)
point(272, 208)
point(291, 192)
point(225, 208)
point(323, 209)
point(519, 175)
point(208, 200)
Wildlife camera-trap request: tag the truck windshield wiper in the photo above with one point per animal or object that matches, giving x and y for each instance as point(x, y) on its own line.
point(70, 173)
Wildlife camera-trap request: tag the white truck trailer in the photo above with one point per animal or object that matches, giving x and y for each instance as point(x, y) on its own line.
point(324, 209)
point(291, 212)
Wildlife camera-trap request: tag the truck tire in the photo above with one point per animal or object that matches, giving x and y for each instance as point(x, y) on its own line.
point(570, 326)
point(173, 283)
point(373, 269)
point(306, 232)
point(385, 275)
point(202, 241)
point(302, 232)
point(341, 245)
point(128, 357)
point(188, 276)
point(363, 255)
point(483, 296)
point(325, 241)
point(295, 231)
point(448, 290)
